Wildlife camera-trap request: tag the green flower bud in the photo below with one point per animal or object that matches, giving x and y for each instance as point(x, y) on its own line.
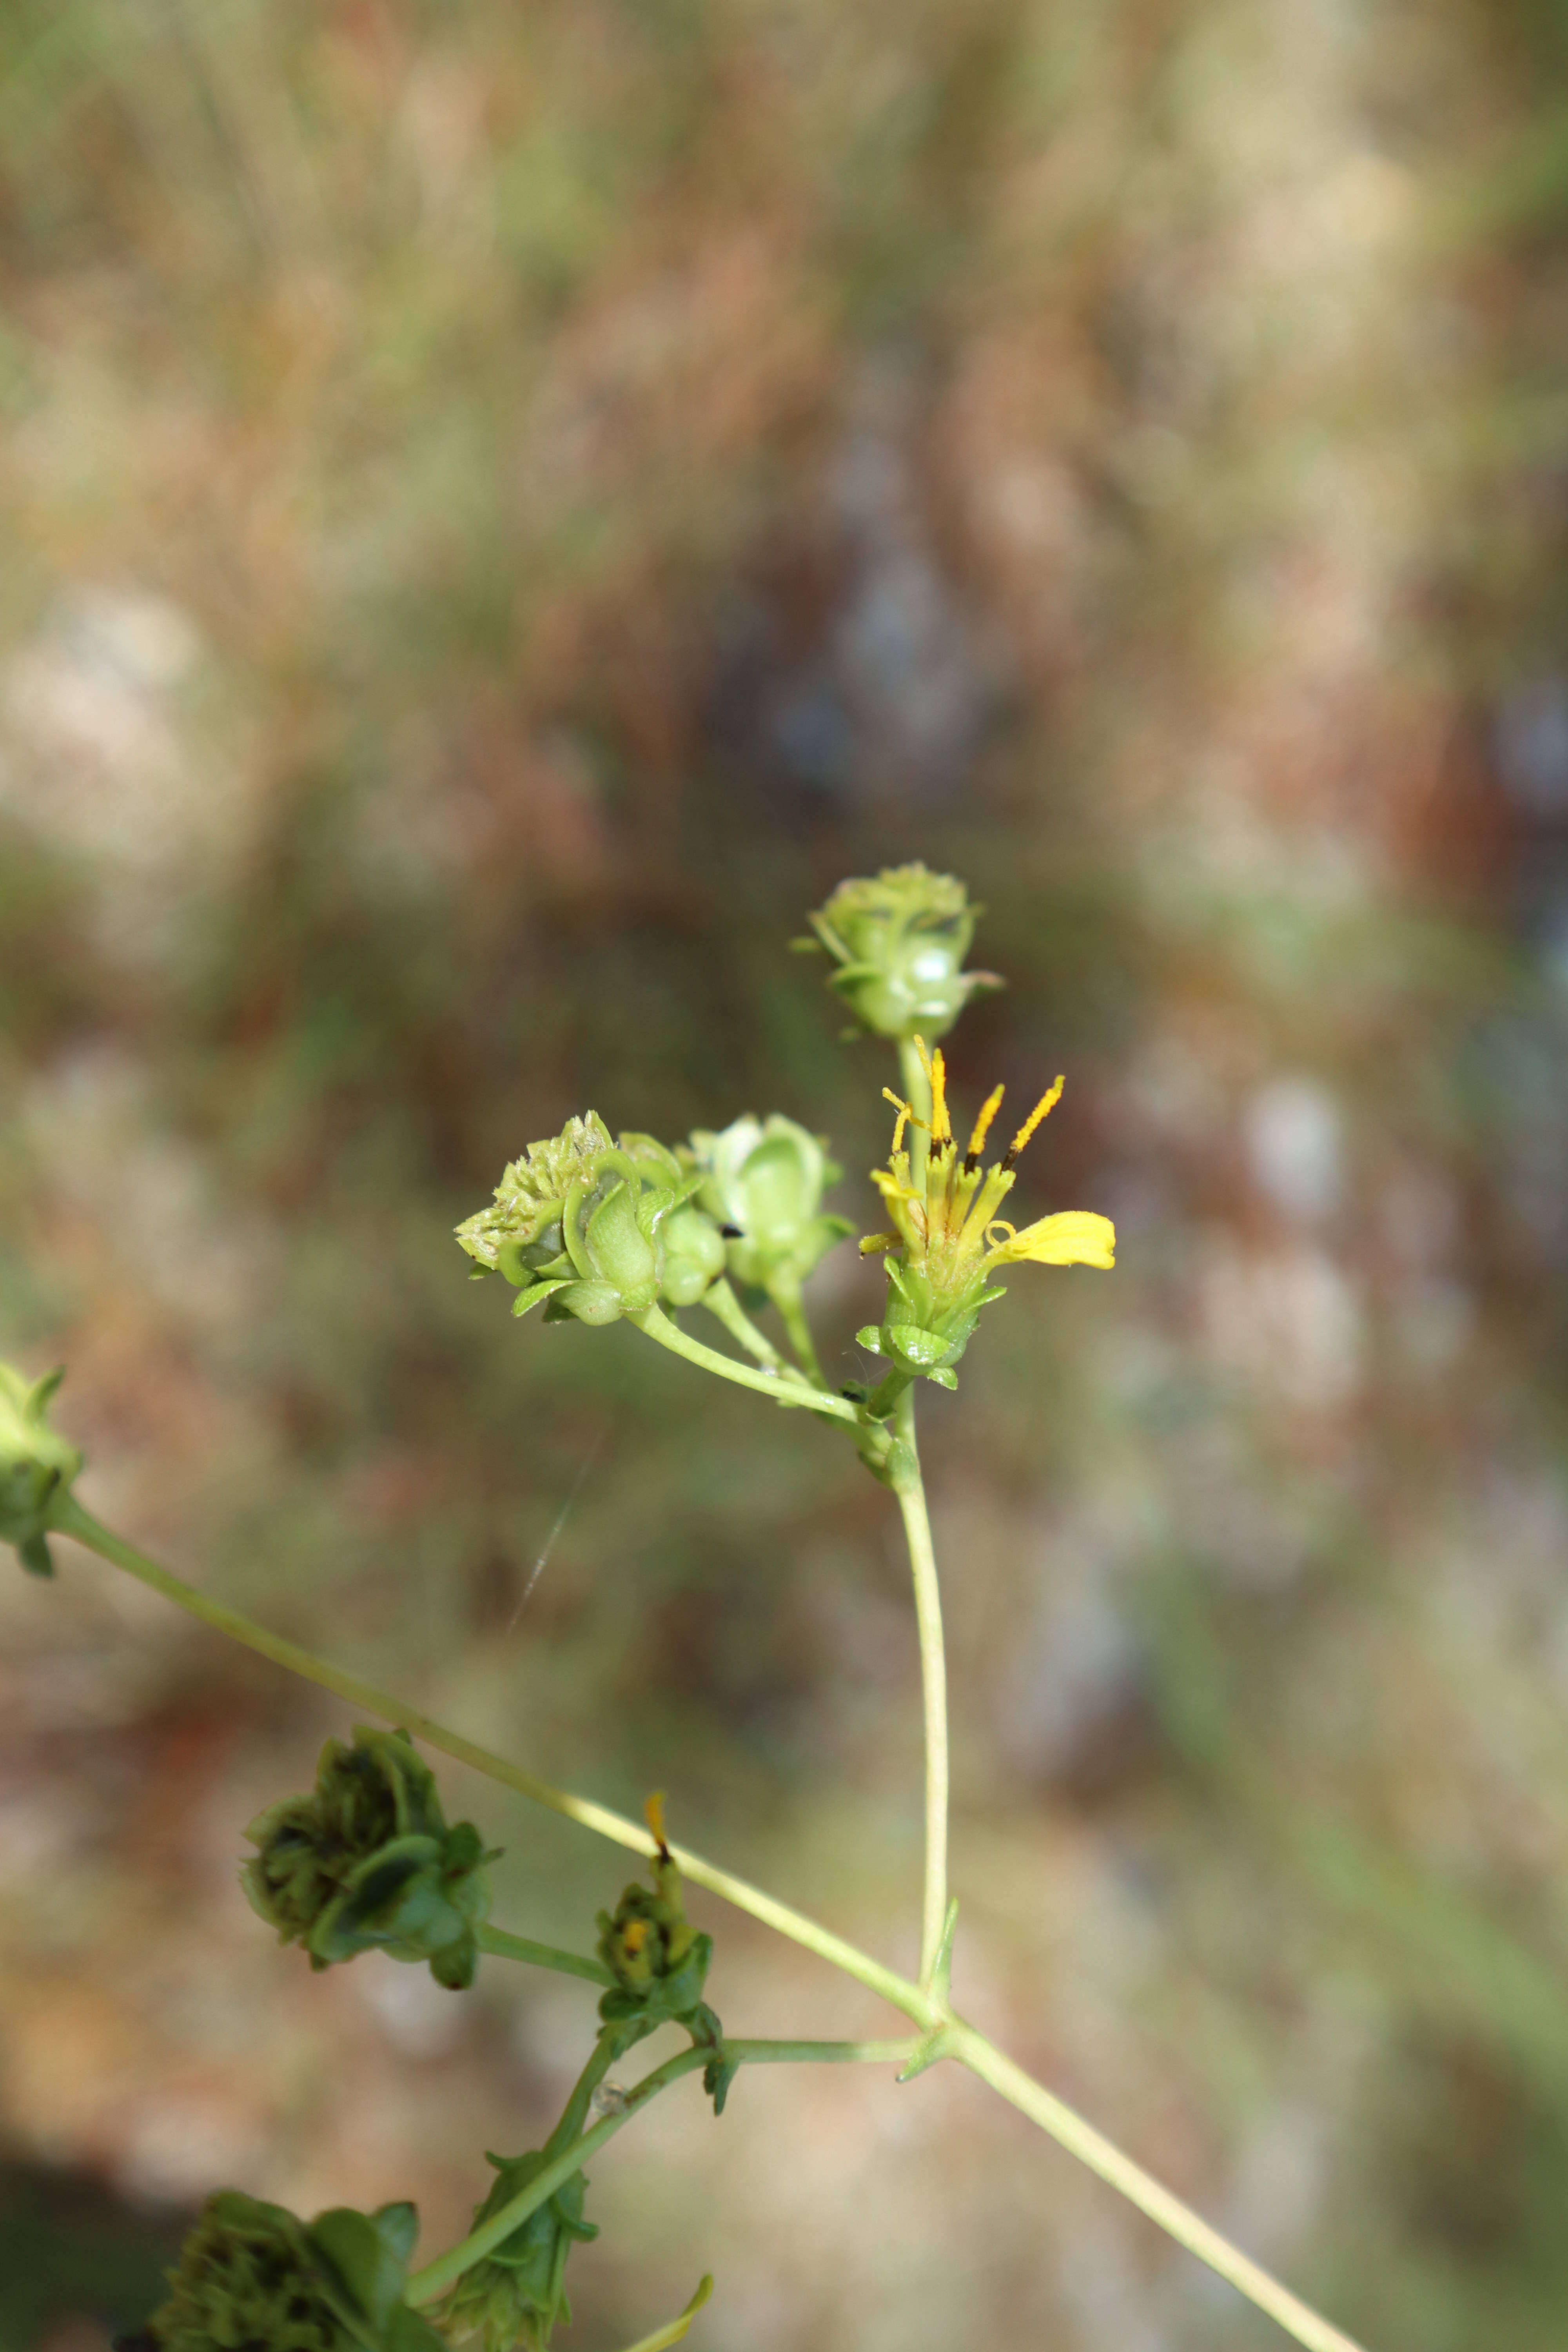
point(35, 1464)
point(366, 1863)
point(252, 2277)
point(692, 1254)
point(657, 1959)
point(900, 939)
point(766, 1179)
point(577, 1227)
point(515, 2296)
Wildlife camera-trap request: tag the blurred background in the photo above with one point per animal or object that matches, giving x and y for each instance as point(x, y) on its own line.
point(503, 508)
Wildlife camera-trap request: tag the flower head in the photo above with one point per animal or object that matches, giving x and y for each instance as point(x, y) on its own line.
point(899, 939)
point(947, 1239)
point(367, 1862)
point(657, 1959)
point(36, 1462)
point(588, 1227)
point(252, 2274)
point(513, 2298)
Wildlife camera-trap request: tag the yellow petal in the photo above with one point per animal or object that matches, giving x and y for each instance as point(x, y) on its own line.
point(1075, 1237)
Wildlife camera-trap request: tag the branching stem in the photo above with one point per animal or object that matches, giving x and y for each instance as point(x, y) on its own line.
point(785, 1296)
point(502, 1947)
point(779, 1386)
point(722, 1302)
point(426, 2286)
point(961, 2041)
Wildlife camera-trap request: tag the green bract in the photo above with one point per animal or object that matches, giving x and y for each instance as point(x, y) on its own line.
point(590, 1227)
point(36, 1462)
point(252, 2277)
point(366, 1863)
point(516, 2295)
point(764, 1179)
point(899, 939)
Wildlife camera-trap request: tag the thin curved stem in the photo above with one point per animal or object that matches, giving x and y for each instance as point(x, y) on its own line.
point(502, 1947)
point(658, 1326)
point(910, 1488)
point(786, 1297)
point(69, 1519)
point(721, 1303)
point(971, 2048)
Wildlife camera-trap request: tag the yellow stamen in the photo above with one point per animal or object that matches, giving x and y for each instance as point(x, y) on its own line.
point(935, 1069)
point(983, 1124)
point(1047, 1102)
point(634, 1936)
point(941, 1126)
point(904, 1116)
point(653, 1815)
point(872, 1243)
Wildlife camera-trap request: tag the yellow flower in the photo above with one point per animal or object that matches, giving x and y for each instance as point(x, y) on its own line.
point(947, 1238)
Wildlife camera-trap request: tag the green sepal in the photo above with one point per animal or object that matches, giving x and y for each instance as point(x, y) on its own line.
point(369, 2252)
point(717, 2077)
point(33, 1551)
point(526, 1300)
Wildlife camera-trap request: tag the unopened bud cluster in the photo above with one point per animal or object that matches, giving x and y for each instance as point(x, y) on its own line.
point(899, 939)
point(252, 2277)
point(367, 1862)
point(592, 1228)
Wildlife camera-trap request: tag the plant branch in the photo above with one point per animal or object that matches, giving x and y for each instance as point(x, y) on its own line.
point(433, 2281)
point(785, 1296)
point(971, 2048)
point(69, 1519)
point(782, 1388)
point(910, 1488)
point(427, 2285)
point(1178, 2220)
point(502, 1947)
point(722, 1302)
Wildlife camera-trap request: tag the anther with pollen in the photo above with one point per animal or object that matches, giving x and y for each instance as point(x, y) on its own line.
point(1047, 1102)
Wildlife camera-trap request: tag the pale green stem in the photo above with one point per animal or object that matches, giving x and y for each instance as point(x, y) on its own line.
point(657, 1326)
point(981, 2056)
point(1178, 2220)
point(722, 1302)
point(574, 2114)
point(786, 1297)
point(502, 1947)
point(69, 1519)
point(910, 1488)
point(427, 2285)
